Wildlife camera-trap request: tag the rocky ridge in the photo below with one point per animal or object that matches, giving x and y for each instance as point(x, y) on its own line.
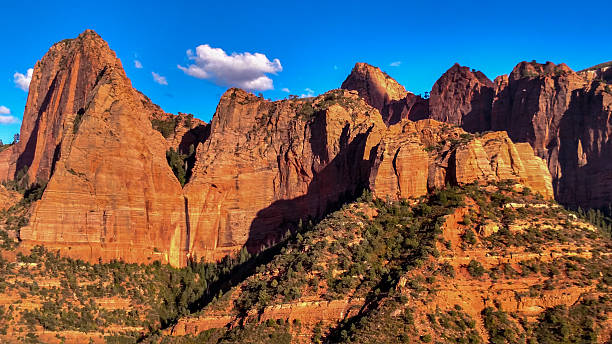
point(564, 115)
point(455, 236)
point(487, 262)
point(257, 170)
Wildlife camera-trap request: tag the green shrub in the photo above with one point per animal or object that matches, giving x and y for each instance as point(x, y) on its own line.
point(165, 127)
point(469, 237)
point(475, 269)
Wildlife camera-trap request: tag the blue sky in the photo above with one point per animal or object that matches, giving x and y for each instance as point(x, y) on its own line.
point(316, 43)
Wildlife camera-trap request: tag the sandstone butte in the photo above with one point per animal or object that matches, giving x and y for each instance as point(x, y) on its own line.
point(565, 116)
point(260, 166)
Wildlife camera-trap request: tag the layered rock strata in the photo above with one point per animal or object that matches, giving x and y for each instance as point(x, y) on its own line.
point(563, 115)
point(258, 169)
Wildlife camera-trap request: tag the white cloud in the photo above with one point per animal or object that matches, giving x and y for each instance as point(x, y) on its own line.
point(285, 89)
point(245, 70)
point(23, 81)
point(159, 79)
point(4, 119)
point(137, 64)
point(395, 64)
point(309, 93)
point(8, 119)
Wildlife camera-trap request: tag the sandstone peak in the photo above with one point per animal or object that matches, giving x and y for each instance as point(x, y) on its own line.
point(373, 85)
point(462, 97)
point(62, 83)
point(385, 94)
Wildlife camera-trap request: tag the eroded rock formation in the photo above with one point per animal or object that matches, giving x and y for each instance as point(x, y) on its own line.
point(259, 168)
point(563, 115)
point(385, 94)
point(462, 97)
point(298, 158)
point(61, 84)
point(566, 117)
point(111, 193)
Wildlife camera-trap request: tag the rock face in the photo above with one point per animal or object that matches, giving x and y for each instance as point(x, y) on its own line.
point(62, 83)
point(413, 158)
point(258, 169)
point(563, 115)
point(8, 198)
point(462, 97)
point(566, 117)
point(182, 131)
point(300, 157)
point(269, 164)
point(380, 91)
point(111, 193)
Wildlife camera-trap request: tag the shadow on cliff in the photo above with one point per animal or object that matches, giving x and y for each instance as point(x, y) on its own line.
point(342, 180)
point(189, 144)
point(413, 107)
point(479, 117)
point(25, 159)
point(584, 178)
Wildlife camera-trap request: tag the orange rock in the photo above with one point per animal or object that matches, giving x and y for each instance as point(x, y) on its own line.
point(269, 164)
point(61, 84)
point(8, 198)
point(385, 94)
point(112, 194)
point(260, 166)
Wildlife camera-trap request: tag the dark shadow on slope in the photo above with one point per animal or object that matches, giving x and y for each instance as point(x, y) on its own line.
point(193, 138)
point(585, 179)
point(27, 156)
point(479, 117)
point(514, 108)
point(412, 107)
point(342, 180)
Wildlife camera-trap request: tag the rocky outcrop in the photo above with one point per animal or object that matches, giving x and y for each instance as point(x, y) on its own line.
point(385, 94)
point(416, 157)
point(257, 170)
point(299, 158)
point(61, 84)
point(565, 116)
point(269, 164)
point(111, 193)
point(462, 97)
point(182, 132)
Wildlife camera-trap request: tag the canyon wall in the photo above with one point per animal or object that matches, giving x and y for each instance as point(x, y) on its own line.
point(258, 169)
point(110, 191)
point(564, 115)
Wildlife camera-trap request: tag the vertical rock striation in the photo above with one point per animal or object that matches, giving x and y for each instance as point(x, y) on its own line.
point(111, 193)
point(563, 115)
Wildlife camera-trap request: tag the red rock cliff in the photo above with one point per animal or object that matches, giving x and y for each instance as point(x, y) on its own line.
point(61, 84)
point(462, 97)
point(269, 164)
point(565, 116)
point(111, 193)
point(385, 94)
point(260, 166)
